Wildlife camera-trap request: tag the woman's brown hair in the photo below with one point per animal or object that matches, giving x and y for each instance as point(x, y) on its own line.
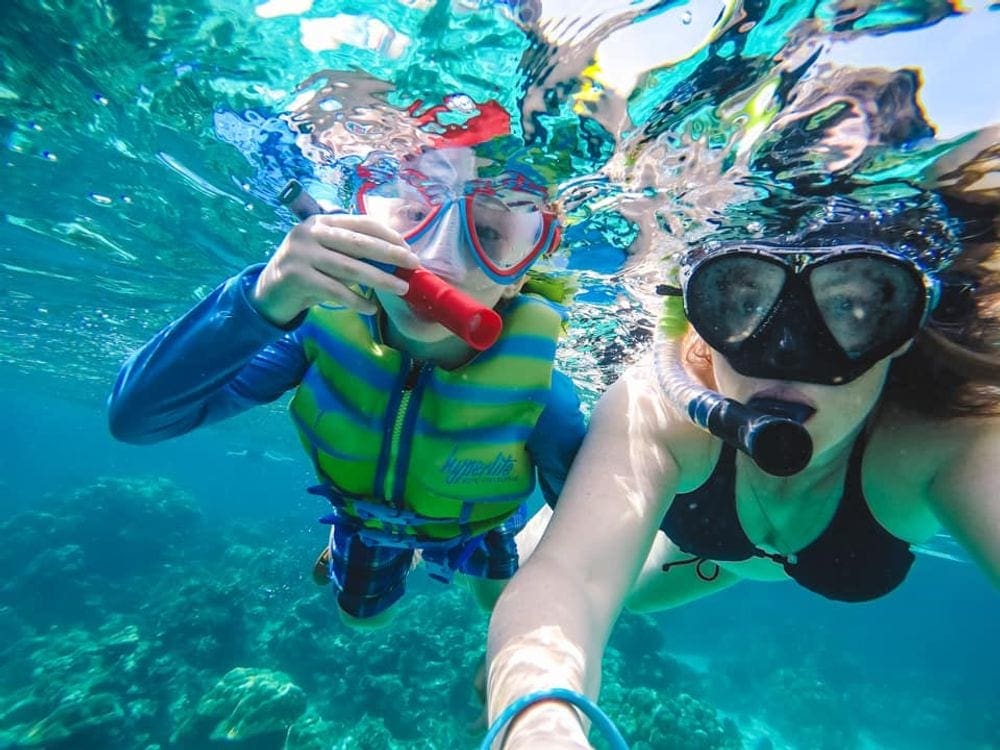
point(953, 368)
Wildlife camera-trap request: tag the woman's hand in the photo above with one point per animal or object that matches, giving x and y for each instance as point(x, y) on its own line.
point(321, 257)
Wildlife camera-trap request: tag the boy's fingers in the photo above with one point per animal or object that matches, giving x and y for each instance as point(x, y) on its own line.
point(363, 225)
point(354, 271)
point(365, 246)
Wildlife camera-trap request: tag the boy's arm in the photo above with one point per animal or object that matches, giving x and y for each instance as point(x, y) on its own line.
point(557, 436)
point(219, 359)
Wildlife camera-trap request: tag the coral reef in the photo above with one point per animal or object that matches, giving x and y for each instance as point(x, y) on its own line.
point(78, 689)
point(647, 694)
point(785, 682)
point(202, 622)
point(201, 641)
point(655, 719)
point(310, 732)
point(248, 703)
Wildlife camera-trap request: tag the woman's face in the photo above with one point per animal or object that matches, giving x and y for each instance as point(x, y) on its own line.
point(840, 409)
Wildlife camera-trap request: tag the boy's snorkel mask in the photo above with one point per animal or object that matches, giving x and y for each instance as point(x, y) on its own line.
point(505, 224)
point(817, 309)
point(499, 203)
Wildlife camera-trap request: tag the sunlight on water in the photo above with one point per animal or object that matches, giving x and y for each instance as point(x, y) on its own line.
point(168, 130)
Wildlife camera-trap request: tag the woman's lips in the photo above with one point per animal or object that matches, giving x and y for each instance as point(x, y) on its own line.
point(788, 395)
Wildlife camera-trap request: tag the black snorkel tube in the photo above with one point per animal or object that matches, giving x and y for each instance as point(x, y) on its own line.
point(768, 430)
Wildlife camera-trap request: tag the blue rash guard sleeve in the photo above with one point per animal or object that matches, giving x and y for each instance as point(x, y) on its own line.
point(554, 442)
point(219, 359)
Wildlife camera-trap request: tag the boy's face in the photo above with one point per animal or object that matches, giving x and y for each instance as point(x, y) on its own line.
point(445, 244)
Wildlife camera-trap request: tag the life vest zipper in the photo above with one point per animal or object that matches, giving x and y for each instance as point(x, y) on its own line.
point(396, 437)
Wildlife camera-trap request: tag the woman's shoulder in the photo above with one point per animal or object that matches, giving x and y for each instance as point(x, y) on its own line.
point(635, 413)
point(932, 441)
point(906, 453)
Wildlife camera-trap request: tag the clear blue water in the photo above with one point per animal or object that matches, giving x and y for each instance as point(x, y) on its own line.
point(143, 144)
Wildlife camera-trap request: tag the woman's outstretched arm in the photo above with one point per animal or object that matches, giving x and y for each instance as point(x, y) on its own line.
point(551, 624)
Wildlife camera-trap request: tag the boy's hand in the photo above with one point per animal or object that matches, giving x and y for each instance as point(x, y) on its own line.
point(321, 257)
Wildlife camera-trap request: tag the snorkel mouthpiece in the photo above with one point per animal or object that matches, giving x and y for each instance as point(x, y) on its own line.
point(767, 430)
point(432, 297)
point(775, 437)
point(429, 296)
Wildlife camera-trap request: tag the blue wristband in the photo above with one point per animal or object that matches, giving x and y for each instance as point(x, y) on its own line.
point(601, 721)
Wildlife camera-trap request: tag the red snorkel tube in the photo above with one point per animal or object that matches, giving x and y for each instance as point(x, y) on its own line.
point(429, 295)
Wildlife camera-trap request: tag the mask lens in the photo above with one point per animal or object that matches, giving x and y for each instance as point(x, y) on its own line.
point(508, 227)
point(869, 304)
point(728, 297)
point(397, 204)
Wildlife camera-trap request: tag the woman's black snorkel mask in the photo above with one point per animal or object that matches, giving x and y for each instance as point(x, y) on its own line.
point(806, 314)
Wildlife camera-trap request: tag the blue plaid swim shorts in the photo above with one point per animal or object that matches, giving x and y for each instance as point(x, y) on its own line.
point(371, 577)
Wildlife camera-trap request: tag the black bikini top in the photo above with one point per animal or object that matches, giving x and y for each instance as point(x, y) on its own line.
point(853, 560)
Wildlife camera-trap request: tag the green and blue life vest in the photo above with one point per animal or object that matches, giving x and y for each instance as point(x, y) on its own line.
point(443, 449)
